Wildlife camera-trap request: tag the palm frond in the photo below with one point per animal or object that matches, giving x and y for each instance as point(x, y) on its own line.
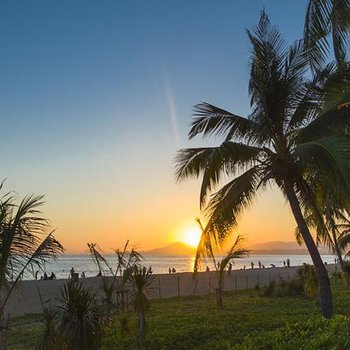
point(211, 120)
point(230, 201)
point(331, 157)
point(214, 162)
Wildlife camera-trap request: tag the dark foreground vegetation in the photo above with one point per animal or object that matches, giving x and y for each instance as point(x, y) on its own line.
point(249, 320)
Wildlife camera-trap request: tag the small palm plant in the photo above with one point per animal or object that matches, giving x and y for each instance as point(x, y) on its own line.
point(49, 339)
point(126, 259)
point(141, 282)
point(24, 244)
point(206, 248)
point(79, 326)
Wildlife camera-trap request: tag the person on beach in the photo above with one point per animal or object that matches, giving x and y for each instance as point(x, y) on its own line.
point(252, 265)
point(83, 274)
point(288, 263)
point(173, 270)
point(36, 275)
point(284, 263)
point(229, 268)
point(45, 276)
point(259, 264)
point(169, 269)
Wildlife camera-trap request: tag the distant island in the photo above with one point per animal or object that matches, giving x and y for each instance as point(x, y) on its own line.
point(176, 248)
point(281, 248)
point(265, 248)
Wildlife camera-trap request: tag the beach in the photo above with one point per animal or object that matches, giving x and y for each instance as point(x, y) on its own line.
point(28, 296)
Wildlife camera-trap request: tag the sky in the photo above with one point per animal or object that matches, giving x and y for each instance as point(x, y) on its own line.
point(96, 98)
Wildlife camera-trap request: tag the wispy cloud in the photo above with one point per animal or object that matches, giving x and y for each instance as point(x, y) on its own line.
point(172, 110)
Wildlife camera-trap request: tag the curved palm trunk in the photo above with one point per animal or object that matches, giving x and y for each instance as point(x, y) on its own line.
point(321, 272)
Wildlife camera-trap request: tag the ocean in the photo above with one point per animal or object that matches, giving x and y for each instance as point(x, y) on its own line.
point(161, 264)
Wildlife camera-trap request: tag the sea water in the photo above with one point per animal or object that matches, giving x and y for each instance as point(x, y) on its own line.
point(161, 264)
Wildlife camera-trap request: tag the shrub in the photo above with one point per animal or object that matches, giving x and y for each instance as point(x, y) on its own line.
point(79, 327)
point(283, 289)
point(307, 276)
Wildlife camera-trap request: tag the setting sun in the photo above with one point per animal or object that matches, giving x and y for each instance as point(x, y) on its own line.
point(186, 231)
point(189, 233)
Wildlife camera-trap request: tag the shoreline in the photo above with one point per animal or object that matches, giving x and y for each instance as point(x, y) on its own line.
point(26, 297)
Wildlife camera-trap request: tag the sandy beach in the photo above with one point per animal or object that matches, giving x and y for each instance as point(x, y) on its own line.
point(26, 297)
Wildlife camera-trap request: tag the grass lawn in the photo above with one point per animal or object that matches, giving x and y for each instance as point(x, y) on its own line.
point(194, 323)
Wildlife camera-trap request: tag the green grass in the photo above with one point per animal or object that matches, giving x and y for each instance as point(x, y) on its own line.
point(194, 323)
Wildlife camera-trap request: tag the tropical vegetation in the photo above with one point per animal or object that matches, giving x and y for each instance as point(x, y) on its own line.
point(207, 249)
point(295, 137)
point(26, 243)
point(248, 320)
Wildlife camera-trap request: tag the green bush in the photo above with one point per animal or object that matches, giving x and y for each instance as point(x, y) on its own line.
point(293, 287)
point(307, 277)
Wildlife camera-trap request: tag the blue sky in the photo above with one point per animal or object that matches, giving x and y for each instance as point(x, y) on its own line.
point(96, 97)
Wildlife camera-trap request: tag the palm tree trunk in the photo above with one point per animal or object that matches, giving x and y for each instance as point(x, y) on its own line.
point(337, 249)
point(218, 292)
point(142, 324)
point(325, 287)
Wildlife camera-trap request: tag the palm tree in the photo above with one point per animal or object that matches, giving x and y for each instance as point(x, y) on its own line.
point(21, 246)
point(141, 281)
point(327, 19)
point(295, 133)
point(207, 247)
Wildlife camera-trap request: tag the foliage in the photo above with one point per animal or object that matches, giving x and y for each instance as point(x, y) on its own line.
point(207, 247)
point(295, 137)
point(346, 272)
point(25, 245)
point(324, 20)
point(293, 287)
point(126, 260)
point(79, 325)
point(307, 276)
point(193, 323)
point(49, 339)
point(142, 283)
point(316, 333)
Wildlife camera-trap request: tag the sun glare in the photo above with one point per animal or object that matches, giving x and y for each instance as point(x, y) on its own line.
point(191, 236)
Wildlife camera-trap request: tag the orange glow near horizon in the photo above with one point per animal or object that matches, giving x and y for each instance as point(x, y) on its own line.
point(188, 232)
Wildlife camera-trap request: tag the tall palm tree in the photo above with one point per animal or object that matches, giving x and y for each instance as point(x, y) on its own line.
point(327, 21)
point(21, 246)
point(294, 134)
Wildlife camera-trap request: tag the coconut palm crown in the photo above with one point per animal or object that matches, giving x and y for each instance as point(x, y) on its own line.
point(295, 135)
point(327, 27)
